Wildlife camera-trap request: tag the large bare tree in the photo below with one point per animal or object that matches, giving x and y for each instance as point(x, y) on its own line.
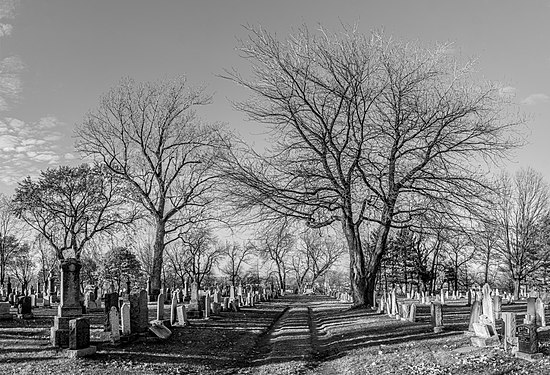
point(366, 129)
point(523, 218)
point(148, 135)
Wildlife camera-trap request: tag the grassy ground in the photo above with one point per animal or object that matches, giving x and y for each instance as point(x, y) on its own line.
point(342, 341)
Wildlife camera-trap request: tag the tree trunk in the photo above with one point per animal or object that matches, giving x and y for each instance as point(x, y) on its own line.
point(357, 265)
point(158, 252)
point(516, 289)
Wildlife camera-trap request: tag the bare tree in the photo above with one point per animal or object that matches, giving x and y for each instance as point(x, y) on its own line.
point(148, 135)
point(317, 254)
point(199, 253)
point(9, 229)
point(23, 265)
point(274, 242)
point(68, 206)
point(236, 257)
point(366, 129)
point(523, 216)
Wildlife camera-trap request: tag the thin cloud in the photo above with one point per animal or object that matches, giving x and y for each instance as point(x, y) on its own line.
point(535, 99)
point(5, 29)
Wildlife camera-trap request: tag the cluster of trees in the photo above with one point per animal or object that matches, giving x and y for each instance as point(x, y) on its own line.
point(379, 145)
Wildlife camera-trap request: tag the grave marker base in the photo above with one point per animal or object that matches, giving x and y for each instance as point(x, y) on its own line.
point(77, 353)
point(532, 357)
point(482, 342)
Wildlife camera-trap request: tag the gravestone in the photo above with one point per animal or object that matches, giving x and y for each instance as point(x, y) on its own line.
point(436, 313)
point(487, 303)
point(160, 330)
point(160, 307)
point(59, 333)
point(115, 325)
point(540, 319)
point(527, 338)
point(139, 312)
point(531, 306)
point(405, 311)
point(125, 319)
point(469, 297)
point(226, 303)
point(69, 305)
point(173, 307)
point(206, 312)
point(475, 312)
point(182, 315)
point(24, 308)
point(412, 313)
point(497, 306)
point(509, 331)
point(194, 303)
point(79, 333)
point(5, 311)
point(111, 300)
point(394, 310)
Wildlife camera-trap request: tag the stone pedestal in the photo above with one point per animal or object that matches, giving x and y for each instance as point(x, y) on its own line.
point(69, 306)
point(59, 334)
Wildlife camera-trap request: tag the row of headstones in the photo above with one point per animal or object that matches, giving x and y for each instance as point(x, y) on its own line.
point(523, 338)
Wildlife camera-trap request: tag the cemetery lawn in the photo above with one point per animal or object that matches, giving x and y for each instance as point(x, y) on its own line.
point(291, 335)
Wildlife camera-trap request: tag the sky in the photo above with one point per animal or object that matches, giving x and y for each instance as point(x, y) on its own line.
point(57, 57)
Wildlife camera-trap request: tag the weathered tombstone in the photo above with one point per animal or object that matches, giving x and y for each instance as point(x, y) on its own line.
point(182, 315)
point(475, 312)
point(405, 311)
point(160, 307)
point(231, 293)
point(5, 311)
point(173, 307)
point(527, 339)
point(206, 312)
point(160, 330)
point(531, 308)
point(79, 333)
point(142, 313)
point(226, 301)
point(412, 313)
point(482, 330)
point(394, 310)
point(469, 297)
point(497, 306)
point(69, 305)
point(442, 297)
point(194, 302)
point(79, 339)
point(509, 330)
point(59, 334)
point(125, 319)
point(436, 313)
point(24, 308)
point(111, 300)
point(540, 319)
point(115, 326)
point(487, 303)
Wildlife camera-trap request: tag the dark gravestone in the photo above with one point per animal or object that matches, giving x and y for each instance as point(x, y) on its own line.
point(139, 312)
point(24, 307)
point(111, 300)
point(527, 338)
point(60, 332)
point(69, 304)
point(79, 333)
